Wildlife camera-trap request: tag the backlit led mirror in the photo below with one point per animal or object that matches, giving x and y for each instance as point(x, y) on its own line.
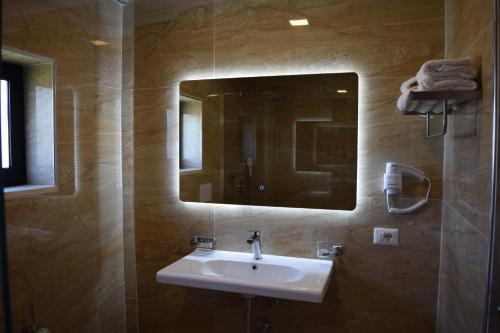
point(285, 141)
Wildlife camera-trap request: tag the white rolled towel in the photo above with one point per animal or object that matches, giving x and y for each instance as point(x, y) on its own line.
point(405, 105)
point(435, 75)
point(458, 68)
point(447, 74)
point(445, 83)
point(410, 84)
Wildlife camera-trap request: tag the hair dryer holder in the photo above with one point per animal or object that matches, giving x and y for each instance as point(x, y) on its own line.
point(393, 185)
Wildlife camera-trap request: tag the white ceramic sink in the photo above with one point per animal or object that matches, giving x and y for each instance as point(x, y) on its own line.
point(272, 276)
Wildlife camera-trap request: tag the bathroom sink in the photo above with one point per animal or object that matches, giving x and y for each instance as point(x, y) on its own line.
point(242, 270)
point(273, 276)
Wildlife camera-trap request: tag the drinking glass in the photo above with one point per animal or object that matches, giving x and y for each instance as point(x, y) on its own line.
point(323, 248)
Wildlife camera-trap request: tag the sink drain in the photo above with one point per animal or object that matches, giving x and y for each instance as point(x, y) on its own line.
point(263, 326)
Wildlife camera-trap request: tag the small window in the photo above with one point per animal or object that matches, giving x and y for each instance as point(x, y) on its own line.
point(27, 117)
point(4, 98)
point(12, 125)
point(190, 134)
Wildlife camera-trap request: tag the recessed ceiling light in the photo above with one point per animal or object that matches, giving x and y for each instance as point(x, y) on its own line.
point(296, 23)
point(99, 42)
point(341, 91)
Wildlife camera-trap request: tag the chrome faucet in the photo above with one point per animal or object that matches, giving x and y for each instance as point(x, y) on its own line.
point(254, 239)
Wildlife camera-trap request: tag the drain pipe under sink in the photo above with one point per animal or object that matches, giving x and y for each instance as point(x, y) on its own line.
point(263, 324)
point(248, 310)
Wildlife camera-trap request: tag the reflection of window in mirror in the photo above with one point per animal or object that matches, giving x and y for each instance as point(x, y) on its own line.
point(190, 117)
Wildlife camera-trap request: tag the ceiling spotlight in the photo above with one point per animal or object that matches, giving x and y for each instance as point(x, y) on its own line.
point(296, 23)
point(99, 42)
point(341, 91)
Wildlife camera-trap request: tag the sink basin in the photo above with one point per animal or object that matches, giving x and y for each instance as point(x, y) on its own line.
point(273, 276)
point(242, 270)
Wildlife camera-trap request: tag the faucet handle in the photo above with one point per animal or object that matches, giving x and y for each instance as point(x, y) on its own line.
point(337, 250)
point(254, 233)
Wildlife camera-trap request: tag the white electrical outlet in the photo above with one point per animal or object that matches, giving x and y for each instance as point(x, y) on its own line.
point(386, 236)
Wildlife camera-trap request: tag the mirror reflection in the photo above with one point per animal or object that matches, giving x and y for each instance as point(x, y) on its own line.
point(285, 141)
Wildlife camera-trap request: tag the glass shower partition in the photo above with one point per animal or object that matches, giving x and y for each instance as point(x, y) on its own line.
point(492, 315)
point(5, 311)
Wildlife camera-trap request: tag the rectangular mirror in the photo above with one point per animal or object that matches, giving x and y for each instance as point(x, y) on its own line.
point(284, 141)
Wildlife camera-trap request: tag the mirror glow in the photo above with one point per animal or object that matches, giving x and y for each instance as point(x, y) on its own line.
point(280, 141)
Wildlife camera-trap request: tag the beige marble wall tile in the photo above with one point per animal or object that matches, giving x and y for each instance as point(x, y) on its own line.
point(66, 248)
point(67, 26)
point(466, 175)
point(465, 21)
point(375, 289)
point(111, 310)
point(127, 151)
point(255, 37)
point(462, 275)
point(175, 47)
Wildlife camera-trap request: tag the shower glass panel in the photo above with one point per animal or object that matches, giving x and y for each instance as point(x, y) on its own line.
point(65, 221)
point(492, 315)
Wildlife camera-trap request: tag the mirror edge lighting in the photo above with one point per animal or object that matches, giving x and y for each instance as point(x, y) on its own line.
point(356, 80)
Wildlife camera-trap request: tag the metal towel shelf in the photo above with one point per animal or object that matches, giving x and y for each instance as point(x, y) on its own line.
point(457, 96)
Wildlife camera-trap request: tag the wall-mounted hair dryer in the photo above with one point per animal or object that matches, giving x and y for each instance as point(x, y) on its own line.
point(393, 185)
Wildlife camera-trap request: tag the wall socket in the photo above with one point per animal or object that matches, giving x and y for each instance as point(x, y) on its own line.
point(386, 236)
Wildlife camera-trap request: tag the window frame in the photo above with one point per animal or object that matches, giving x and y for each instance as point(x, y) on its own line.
point(15, 175)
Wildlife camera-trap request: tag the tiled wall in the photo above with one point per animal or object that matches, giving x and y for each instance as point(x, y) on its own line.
point(66, 248)
point(127, 144)
point(467, 167)
point(375, 289)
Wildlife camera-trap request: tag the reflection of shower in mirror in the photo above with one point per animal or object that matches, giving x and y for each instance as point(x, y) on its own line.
point(249, 165)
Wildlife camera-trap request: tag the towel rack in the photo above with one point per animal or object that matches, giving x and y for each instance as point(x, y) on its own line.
point(457, 96)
